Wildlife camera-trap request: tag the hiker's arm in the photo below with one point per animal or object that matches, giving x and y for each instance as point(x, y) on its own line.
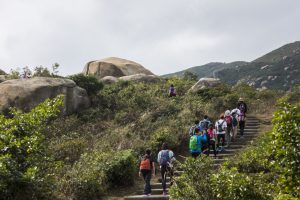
point(153, 168)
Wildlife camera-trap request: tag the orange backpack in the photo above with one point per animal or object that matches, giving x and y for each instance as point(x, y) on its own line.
point(145, 164)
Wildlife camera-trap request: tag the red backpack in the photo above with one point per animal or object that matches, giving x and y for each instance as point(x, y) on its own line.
point(145, 163)
point(228, 120)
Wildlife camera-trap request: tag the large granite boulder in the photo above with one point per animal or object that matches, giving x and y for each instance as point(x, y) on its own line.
point(112, 66)
point(26, 94)
point(140, 77)
point(204, 83)
point(2, 78)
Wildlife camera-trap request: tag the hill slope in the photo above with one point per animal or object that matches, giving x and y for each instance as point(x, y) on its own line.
point(279, 69)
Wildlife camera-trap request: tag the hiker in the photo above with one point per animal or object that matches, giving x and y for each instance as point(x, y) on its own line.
point(192, 129)
point(234, 114)
point(242, 106)
point(164, 157)
point(211, 133)
point(228, 118)
point(221, 130)
point(195, 144)
point(204, 142)
point(172, 91)
point(205, 123)
point(147, 166)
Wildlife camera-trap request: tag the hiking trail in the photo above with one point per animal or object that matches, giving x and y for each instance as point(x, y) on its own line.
point(251, 131)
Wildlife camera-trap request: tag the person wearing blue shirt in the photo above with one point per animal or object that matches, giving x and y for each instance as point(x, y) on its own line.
point(196, 141)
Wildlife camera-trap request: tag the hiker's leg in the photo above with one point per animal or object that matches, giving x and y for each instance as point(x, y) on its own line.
point(219, 140)
point(214, 147)
point(163, 177)
point(242, 126)
point(147, 189)
point(144, 173)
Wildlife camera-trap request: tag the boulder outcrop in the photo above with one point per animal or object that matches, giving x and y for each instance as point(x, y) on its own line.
point(26, 94)
point(140, 77)
point(116, 67)
point(204, 83)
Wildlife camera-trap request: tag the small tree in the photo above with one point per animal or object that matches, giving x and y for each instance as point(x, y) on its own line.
point(190, 76)
point(22, 152)
point(41, 71)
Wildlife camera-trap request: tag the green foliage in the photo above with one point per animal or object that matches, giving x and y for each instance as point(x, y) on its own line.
point(89, 83)
point(286, 140)
point(164, 135)
point(195, 181)
point(22, 151)
point(187, 75)
point(41, 72)
point(95, 172)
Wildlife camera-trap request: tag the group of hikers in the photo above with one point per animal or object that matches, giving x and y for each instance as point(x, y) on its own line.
point(165, 159)
point(204, 136)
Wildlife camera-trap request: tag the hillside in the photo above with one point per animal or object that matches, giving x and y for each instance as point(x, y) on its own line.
point(208, 69)
point(279, 69)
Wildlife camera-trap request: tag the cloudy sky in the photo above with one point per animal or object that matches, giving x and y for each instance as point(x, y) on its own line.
point(163, 35)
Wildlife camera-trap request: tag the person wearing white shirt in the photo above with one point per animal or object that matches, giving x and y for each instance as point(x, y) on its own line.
point(221, 126)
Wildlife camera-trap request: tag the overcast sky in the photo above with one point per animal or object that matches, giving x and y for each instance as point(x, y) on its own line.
point(163, 35)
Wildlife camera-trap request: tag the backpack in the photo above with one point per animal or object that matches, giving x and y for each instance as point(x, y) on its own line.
point(242, 107)
point(204, 124)
point(193, 143)
point(228, 120)
point(145, 163)
point(220, 126)
point(164, 158)
point(234, 121)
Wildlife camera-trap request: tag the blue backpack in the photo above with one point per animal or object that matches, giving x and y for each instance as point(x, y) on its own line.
point(164, 158)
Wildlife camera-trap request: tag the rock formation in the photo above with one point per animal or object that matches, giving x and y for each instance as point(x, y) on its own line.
point(203, 83)
point(112, 66)
point(25, 94)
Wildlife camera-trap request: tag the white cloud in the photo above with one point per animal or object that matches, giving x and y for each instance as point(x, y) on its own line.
point(164, 36)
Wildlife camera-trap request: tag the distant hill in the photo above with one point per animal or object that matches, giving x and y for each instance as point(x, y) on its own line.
point(208, 69)
point(279, 69)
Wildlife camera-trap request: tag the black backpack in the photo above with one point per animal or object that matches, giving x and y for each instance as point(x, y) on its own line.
point(220, 126)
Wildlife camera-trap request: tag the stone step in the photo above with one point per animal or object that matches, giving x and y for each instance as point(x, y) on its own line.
point(153, 191)
point(142, 197)
point(160, 179)
point(218, 160)
point(158, 185)
point(234, 146)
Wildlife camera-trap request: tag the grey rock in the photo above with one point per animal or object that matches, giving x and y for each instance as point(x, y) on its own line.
point(26, 94)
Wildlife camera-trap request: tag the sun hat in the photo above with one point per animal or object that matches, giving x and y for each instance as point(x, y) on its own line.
point(241, 99)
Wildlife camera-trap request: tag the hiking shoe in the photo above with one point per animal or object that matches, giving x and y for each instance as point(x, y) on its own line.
point(149, 194)
point(164, 193)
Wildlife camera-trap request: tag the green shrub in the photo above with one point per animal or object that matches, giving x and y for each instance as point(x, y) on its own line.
point(286, 140)
point(195, 181)
point(164, 135)
point(89, 83)
point(23, 154)
point(96, 172)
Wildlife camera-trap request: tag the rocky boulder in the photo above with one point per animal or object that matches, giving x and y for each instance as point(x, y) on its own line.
point(2, 78)
point(26, 94)
point(112, 66)
point(109, 79)
point(204, 83)
point(141, 77)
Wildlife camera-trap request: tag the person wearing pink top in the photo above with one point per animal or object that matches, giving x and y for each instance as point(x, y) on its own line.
point(211, 133)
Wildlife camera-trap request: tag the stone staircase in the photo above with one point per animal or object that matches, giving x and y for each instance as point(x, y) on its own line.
point(250, 133)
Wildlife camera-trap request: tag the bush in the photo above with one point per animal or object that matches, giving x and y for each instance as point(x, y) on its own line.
point(96, 172)
point(89, 83)
point(23, 154)
point(195, 181)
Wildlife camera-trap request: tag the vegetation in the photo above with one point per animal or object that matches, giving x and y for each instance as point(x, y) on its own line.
point(92, 152)
point(23, 158)
point(267, 170)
